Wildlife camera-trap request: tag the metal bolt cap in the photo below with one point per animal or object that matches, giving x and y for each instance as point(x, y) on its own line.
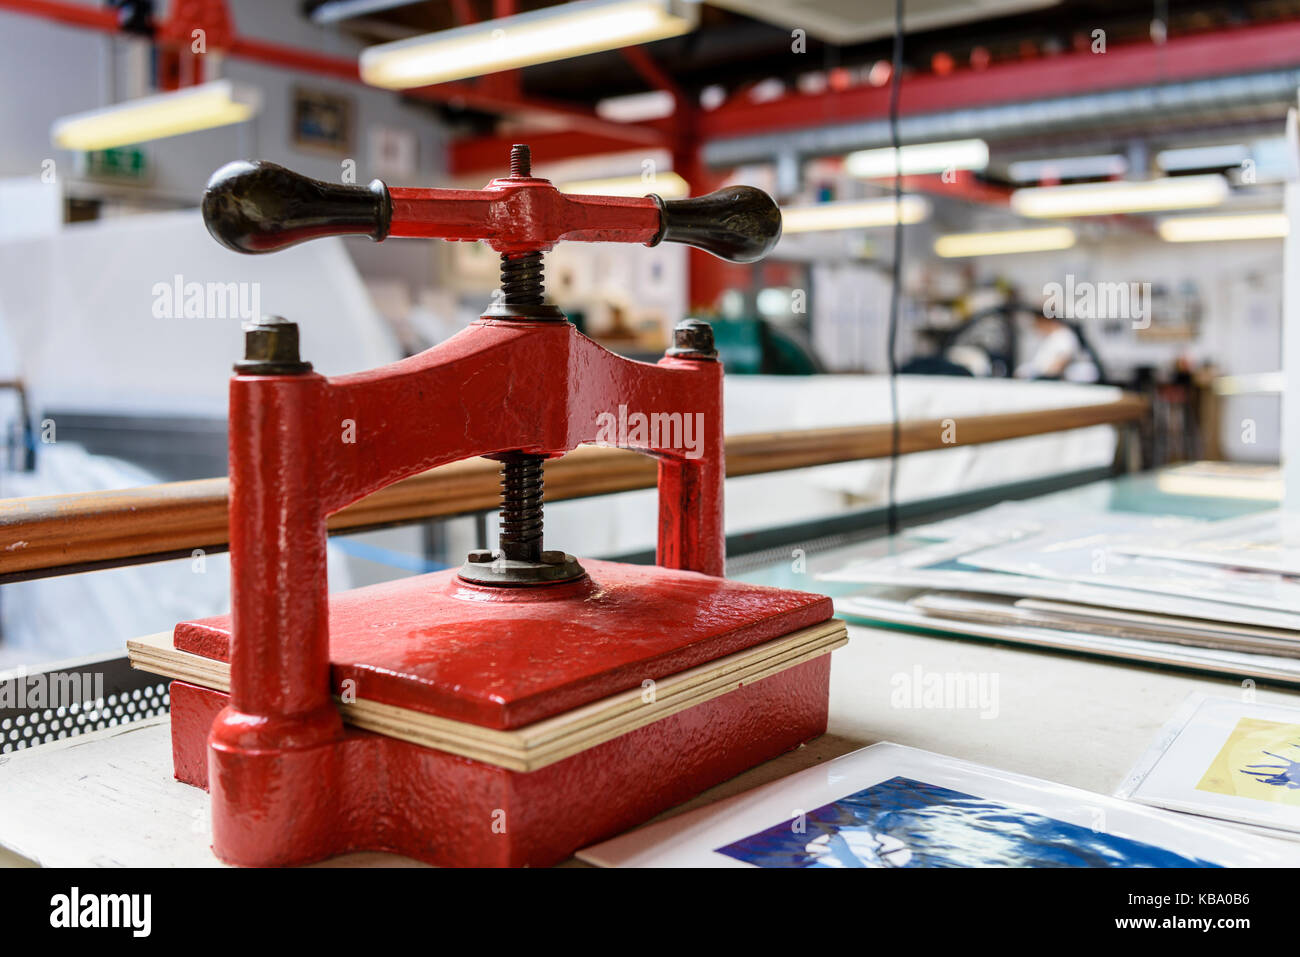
point(693, 339)
point(271, 348)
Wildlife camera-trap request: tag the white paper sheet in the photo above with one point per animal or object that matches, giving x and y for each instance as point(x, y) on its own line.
point(1236, 760)
point(912, 808)
point(1087, 551)
point(889, 572)
point(895, 609)
point(1266, 542)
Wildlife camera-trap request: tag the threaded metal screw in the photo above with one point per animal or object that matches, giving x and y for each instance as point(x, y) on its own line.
point(522, 281)
point(521, 160)
point(520, 538)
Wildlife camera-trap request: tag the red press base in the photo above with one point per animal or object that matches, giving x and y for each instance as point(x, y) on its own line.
point(372, 792)
point(299, 786)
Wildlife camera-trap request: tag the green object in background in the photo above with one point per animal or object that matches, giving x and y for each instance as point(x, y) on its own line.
point(756, 347)
point(119, 162)
point(740, 344)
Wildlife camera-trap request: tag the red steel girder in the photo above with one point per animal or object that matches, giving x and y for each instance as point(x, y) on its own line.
point(1246, 49)
point(1239, 50)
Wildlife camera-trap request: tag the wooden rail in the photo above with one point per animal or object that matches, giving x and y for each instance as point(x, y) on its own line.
point(58, 534)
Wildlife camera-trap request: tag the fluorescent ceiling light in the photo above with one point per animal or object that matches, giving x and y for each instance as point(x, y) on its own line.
point(1102, 199)
point(201, 107)
point(335, 10)
point(1208, 229)
point(668, 185)
point(918, 158)
point(1202, 157)
point(863, 214)
point(958, 245)
point(1068, 167)
point(539, 36)
point(637, 107)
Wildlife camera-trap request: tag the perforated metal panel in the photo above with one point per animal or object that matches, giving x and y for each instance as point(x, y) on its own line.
point(74, 697)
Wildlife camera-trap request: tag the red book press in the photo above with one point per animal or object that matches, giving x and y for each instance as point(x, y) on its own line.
point(513, 710)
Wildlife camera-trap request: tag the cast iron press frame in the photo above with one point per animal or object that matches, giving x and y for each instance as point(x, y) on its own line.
point(289, 782)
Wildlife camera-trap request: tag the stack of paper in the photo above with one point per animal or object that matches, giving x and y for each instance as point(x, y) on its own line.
point(1220, 596)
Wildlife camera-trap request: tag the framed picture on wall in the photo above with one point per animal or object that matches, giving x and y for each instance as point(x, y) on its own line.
point(322, 122)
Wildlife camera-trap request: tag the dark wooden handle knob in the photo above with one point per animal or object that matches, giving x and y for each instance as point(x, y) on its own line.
point(738, 223)
point(258, 207)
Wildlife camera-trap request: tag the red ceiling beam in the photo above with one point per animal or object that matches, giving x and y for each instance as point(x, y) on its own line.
point(650, 71)
point(577, 120)
point(503, 82)
point(482, 154)
point(292, 58)
point(961, 185)
point(1238, 50)
point(488, 99)
point(1245, 49)
point(488, 154)
point(464, 12)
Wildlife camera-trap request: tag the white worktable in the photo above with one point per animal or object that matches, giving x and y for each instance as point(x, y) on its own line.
point(108, 798)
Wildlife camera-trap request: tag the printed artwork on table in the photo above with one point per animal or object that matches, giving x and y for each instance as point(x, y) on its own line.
point(907, 823)
point(1260, 760)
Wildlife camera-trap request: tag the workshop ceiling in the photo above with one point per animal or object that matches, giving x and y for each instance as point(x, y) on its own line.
point(856, 21)
point(731, 49)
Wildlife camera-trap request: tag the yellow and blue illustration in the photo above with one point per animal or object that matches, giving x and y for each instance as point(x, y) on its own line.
point(1259, 760)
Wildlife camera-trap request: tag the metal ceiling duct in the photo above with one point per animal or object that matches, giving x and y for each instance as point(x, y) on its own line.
point(1210, 99)
point(854, 21)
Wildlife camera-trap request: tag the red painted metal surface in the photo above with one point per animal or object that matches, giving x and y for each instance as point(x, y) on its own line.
point(210, 17)
point(370, 792)
point(506, 657)
point(289, 783)
point(510, 102)
point(539, 387)
point(959, 184)
point(464, 12)
point(654, 75)
point(522, 214)
point(485, 154)
point(1244, 49)
point(294, 58)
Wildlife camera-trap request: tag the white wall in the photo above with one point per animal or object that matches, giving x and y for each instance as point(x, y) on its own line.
point(1218, 269)
point(1240, 285)
point(1291, 344)
point(61, 70)
point(49, 70)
